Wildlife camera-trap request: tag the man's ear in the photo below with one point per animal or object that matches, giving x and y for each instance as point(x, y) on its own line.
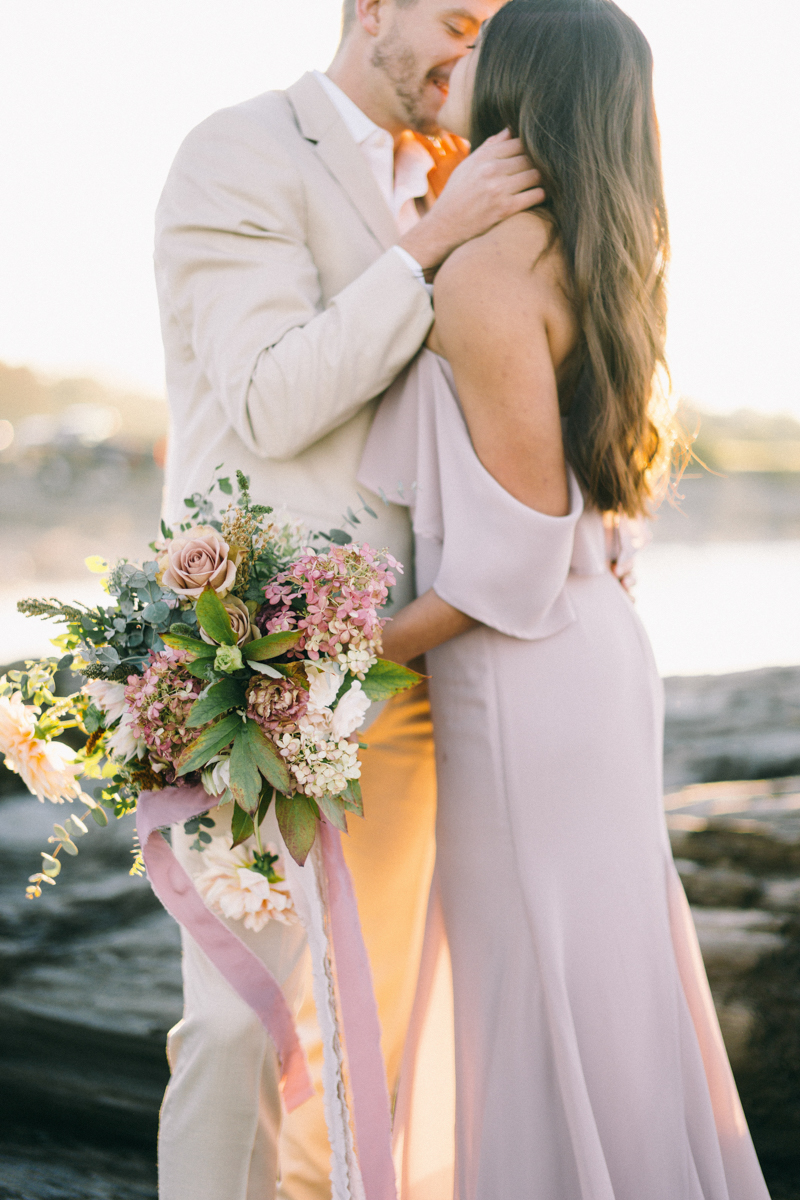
point(369, 14)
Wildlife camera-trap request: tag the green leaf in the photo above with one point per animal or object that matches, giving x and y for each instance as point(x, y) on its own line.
point(386, 679)
point(156, 613)
point(220, 698)
point(203, 668)
point(181, 629)
point(179, 642)
point(94, 719)
point(241, 826)
point(297, 822)
point(245, 777)
point(333, 808)
point(266, 757)
point(50, 866)
point(351, 797)
point(209, 743)
point(272, 645)
point(214, 619)
point(225, 486)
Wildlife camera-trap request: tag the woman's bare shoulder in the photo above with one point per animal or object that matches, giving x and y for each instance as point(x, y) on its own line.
point(510, 279)
point(517, 246)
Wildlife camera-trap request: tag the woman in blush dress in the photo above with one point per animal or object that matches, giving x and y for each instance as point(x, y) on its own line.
point(588, 1062)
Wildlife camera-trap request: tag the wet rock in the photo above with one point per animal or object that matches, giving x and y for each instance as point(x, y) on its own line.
point(718, 886)
point(744, 725)
point(89, 982)
point(737, 847)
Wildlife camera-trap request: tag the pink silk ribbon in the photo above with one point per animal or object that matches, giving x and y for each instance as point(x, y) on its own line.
point(259, 988)
point(245, 972)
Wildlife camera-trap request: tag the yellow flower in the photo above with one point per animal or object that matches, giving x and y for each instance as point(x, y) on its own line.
point(46, 768)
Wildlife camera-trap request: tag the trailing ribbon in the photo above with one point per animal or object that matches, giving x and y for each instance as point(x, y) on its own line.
point(362, 1031)
point(246, 974)
point(259, 988)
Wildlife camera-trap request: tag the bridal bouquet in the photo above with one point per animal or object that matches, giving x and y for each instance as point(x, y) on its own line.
point(238, 657)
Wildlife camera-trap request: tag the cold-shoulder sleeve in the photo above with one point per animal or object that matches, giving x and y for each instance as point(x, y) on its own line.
point(486, 553)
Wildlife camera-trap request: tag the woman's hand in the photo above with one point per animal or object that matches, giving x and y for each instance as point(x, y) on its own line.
point(421, 626)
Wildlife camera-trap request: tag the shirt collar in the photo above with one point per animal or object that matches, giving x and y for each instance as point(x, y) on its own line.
point(359, 125)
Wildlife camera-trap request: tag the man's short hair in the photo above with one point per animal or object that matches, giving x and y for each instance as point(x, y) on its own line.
point(349, 13)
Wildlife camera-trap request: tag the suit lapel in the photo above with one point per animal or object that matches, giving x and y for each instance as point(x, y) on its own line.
point(321, 125)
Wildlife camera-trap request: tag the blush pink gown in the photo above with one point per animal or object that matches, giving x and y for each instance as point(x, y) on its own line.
point(562, 987)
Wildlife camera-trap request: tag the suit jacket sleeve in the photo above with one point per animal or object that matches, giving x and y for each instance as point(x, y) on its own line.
point(234, 268)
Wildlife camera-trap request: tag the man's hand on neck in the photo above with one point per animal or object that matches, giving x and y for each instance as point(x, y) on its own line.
point(394, 63)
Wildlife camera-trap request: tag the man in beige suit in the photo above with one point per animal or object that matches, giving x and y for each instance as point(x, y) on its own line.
point(291, 241)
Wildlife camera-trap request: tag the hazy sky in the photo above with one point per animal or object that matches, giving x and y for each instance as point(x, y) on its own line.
point(96, 95)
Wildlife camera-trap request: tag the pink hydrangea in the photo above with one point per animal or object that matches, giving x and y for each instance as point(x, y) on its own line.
point(341, 592)
point(159, 702)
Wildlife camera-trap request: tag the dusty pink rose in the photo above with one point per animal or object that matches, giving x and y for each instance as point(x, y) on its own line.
point(198, 559)
point(241, 622)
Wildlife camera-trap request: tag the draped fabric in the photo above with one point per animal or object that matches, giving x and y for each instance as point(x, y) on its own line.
point(564, 1043)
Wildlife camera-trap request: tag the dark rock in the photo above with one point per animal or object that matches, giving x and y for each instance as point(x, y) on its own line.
point(89, 982)
point(34, 1165)
point(716, 887)
point(745, 725)
point(737, 846)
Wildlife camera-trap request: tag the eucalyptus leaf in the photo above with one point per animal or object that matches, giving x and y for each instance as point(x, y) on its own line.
point(155, 613)
point(50, 866)
point(99, 816)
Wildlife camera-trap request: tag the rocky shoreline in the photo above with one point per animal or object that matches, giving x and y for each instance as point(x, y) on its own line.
point(90, 975)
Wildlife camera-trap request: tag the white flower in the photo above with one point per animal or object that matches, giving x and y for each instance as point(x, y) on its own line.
point(319, 765)
point(217, 775)
point(230, 886)
point(349, 712)
point(46, 768)
point(122, 743)
point(109, 697)
point(324, 681)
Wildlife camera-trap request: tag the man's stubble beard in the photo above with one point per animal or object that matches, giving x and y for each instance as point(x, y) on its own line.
point(398, 62)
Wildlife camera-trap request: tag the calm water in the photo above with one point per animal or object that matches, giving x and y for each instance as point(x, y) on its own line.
point(718, 589)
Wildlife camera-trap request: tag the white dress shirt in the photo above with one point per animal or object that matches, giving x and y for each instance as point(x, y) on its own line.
point(401, 175)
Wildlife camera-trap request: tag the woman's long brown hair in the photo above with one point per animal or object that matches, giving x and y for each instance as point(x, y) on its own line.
point(573, 79)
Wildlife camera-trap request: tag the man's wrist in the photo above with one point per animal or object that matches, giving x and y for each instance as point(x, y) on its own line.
point(425, 244)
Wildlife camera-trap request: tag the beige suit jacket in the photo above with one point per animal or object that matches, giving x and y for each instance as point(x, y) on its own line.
point(284, 311)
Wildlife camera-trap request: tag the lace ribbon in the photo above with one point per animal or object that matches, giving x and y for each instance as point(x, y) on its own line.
point(325, 900)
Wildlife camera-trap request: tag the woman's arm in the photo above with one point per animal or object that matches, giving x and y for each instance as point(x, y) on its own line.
point(421, 626)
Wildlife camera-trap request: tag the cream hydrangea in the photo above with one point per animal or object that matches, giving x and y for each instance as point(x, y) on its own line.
point(46, 768)
point(231, 888)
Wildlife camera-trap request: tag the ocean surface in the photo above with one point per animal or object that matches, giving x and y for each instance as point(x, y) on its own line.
point(718, 589)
